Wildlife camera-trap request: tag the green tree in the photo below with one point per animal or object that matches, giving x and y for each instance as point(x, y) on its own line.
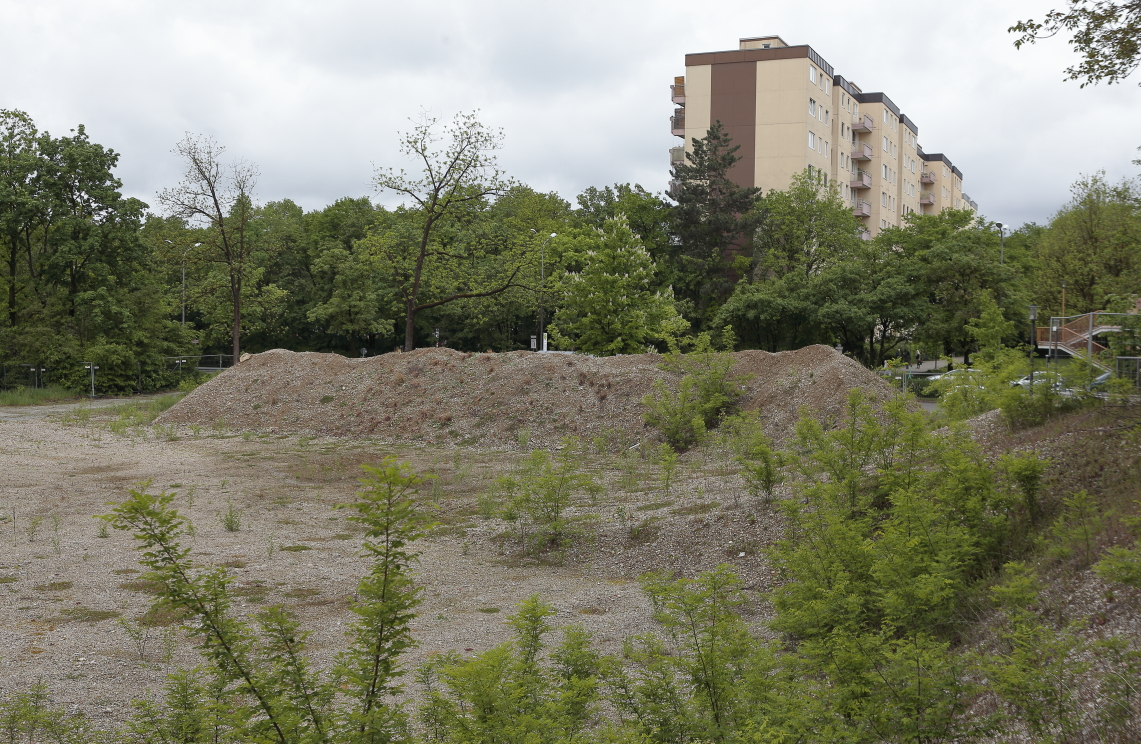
point(1104, 32)
point(713, 218)
point(428, 267)
point(1092, 246)
point(613, 305)
point(218, 199)
point(259, 683)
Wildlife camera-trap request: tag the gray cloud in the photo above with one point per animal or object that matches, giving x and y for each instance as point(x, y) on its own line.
point(315, 93)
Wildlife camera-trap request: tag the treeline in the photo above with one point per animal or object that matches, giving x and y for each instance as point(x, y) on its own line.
point(477, 261)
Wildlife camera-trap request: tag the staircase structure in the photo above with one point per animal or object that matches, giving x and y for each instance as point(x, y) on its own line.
point(1076, 335)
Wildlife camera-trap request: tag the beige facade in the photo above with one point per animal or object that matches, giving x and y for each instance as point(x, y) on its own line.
point(788, 110)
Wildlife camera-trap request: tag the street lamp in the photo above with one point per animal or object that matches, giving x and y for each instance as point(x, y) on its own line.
point(543, 286)
point(184, 278)
point(91, 367)
point(1033, 342)
point(1001, 242)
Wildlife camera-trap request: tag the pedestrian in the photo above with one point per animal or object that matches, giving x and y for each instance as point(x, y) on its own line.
point(918, 358)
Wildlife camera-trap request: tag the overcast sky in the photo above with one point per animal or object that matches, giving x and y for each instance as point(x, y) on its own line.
point(315, 93)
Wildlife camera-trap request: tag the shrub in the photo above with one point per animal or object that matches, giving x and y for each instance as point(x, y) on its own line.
point(706, 392)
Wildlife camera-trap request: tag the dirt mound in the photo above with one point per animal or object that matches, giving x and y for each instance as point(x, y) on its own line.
point(443, 395)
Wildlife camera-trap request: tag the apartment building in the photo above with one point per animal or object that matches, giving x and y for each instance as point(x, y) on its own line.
point(788, 110)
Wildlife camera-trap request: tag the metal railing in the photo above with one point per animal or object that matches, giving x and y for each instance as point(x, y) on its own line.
point(677, 155)
point(677, 125)
point(861, 179)
point(202, 362)
point(862, 209)
point(926, 197)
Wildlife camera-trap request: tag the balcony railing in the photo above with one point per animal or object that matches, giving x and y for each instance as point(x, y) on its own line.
point(677, 93)
point(862, 123)
point(677, 156)
point(862, 209)
point(861, 152)
point(861, 179)
point(927, 177)
point(926, 197)
point(865, 234)
point(677, 123)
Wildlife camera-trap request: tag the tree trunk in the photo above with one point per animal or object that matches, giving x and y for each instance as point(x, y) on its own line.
point(410, 327)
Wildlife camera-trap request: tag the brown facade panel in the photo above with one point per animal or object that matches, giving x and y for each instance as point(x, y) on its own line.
point(746, 55)
point(733, 99)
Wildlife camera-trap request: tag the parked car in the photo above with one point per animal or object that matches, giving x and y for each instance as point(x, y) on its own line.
point(956, 371)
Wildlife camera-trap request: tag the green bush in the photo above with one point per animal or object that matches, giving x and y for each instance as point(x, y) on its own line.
point(707, 391)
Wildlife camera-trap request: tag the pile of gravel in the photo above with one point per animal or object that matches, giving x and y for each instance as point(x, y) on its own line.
point(437, 395)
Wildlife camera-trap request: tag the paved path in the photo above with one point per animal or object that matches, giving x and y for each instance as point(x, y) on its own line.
point(23, 413)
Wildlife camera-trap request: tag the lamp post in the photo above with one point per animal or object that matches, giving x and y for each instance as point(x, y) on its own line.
point(91, 366)
point(184, 278)
point(1033, 342)
point(1063, 299)
point(543, 288)
point(1001, 242)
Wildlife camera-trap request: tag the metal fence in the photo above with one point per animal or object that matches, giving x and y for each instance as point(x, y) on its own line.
point(202, 362)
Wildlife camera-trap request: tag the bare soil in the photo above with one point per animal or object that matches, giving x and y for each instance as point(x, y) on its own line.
point(443, 396)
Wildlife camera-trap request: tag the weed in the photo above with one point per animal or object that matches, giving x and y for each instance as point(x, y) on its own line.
point(667, 461)
point(146, 586)
point(523, 437)
point(654, 506)
point(33, 527)
point(55, 538)
point(138, 634)
point(692, 509)
point(231, 518)
point(86, 615)
point(247, 436)
point(270, 545)
point(489, 610)
point(8, 579)
point(102, 531)
point(55, 586)
point(302, 592)
point(645, 531)
point(24, 396)
point(295, 548)
point(326, 399)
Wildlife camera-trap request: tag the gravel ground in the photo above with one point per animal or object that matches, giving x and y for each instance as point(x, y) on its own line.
point(64, 589)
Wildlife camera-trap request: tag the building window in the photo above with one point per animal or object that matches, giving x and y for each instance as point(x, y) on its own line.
point(885, 144)
point(812, 73)
point(883, 198)
point(825, 148)
point(827, 117)
point(811, 140)
point(812, 107)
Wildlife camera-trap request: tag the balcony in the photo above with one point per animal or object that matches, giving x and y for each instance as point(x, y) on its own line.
point(865, 234)
point(677, 123)
point(861, 179)
point(927, 177)
point(862, 123)
point(861, 152)
point(677, 156)
point(926, 197)
point(677, 93)
point(862, 209)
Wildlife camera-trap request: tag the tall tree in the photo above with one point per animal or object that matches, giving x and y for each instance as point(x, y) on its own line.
point(712, 219)
point(613, 306)
point(454, 180)
point(219, 198)
point(21, 211)
point(1107, 35)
